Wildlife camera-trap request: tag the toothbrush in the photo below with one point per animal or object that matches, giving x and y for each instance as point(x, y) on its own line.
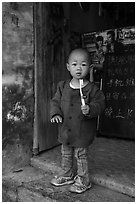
point(81, 94)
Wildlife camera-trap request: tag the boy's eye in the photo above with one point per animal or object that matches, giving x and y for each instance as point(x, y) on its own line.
point(74, 64)
point(84, 64)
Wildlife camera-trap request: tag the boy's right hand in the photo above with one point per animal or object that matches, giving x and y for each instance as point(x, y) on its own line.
point(57, 119)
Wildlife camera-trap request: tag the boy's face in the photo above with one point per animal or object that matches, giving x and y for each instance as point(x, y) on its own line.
point(78, 64)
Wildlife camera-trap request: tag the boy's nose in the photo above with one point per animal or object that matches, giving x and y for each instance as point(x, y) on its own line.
point(79, 67)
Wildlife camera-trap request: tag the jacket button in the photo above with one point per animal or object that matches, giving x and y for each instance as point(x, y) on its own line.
point(70, 117)
point(69, 130)
point(71, 104)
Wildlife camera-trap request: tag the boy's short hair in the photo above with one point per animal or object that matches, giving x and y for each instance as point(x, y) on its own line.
point(80, 50)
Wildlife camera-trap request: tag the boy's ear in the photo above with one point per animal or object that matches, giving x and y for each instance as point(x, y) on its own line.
point(67, 65)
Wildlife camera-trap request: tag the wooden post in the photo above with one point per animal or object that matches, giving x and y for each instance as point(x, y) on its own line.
point(36, 8)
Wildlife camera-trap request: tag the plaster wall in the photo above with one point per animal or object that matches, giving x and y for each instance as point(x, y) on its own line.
point(17, 83)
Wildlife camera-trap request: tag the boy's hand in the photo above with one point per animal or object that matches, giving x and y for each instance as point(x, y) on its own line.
point(57, 119)
point(85, 109)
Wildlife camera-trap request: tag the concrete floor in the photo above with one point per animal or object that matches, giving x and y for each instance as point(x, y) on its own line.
point(33, 185)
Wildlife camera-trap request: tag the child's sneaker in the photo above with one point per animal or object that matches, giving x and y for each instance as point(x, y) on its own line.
point(62, 180)
point(78, 186)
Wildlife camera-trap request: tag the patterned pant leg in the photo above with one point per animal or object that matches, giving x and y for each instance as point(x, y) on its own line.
point(67, 160)
point(82, 164)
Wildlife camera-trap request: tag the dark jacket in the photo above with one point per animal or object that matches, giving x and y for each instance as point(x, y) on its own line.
point(77, 130)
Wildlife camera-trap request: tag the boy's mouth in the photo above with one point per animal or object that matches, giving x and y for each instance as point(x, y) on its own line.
point(78, 73)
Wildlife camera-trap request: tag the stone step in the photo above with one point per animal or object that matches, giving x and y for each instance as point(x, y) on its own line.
point(33, 185)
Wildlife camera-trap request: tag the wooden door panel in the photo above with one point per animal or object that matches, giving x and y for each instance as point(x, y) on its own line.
point(49, 70)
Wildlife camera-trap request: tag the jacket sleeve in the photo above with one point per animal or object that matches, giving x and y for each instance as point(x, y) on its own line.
point(55, 103)
point(97, 104)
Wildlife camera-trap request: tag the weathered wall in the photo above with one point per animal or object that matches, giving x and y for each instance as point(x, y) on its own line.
point(17, 83)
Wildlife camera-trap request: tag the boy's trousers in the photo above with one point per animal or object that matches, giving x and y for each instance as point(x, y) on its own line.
point(82, 162)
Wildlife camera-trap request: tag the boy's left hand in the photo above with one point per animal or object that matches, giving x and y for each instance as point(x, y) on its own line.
point(85, 109)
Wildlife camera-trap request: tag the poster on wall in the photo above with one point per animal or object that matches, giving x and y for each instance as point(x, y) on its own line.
point(89, 39)
point(125, 37)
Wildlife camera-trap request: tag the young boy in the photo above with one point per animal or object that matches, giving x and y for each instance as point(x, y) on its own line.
point(77, 120)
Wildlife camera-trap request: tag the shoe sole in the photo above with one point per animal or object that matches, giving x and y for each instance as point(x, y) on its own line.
point(88, 187)
point(62, 184)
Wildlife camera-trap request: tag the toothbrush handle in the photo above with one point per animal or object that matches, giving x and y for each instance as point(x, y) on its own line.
point(82, 101)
